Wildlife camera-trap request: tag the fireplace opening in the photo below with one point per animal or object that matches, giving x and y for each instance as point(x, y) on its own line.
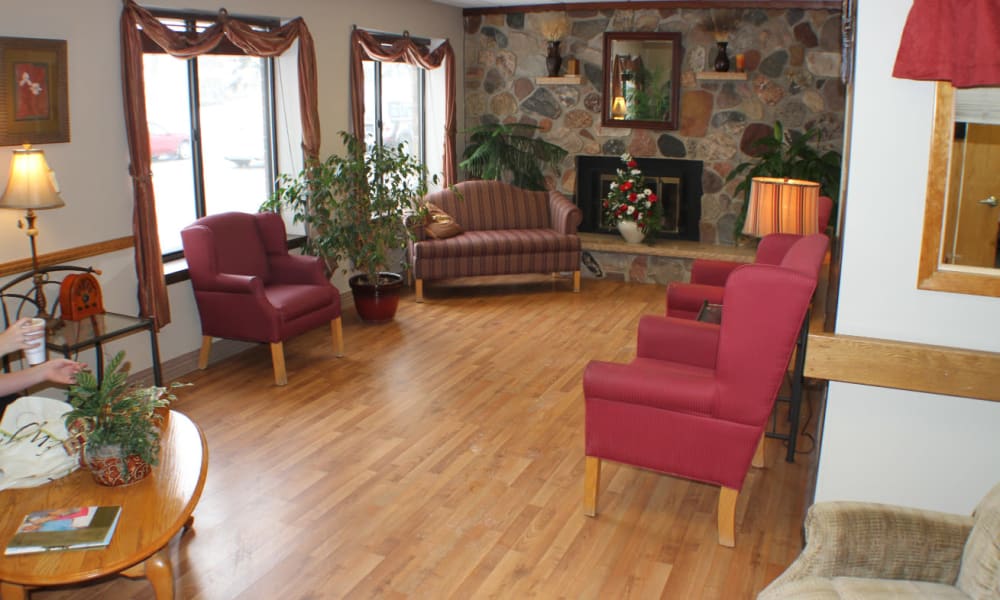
point(676, 182)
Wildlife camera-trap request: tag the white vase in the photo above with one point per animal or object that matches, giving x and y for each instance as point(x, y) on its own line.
point(631, 232)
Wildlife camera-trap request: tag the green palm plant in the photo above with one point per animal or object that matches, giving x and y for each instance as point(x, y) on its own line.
point(500, 151)
point(788, 154)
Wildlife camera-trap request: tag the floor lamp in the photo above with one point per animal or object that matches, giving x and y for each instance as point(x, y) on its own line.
point(32, 186)
point(779, 205)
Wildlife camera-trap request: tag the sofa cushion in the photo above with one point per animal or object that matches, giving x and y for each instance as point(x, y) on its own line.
point(863, 588)
point(440, 225)
point(493, 243)
point(490, 205)
point(979, 575)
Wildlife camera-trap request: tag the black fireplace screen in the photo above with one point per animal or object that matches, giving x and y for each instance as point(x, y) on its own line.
point(677, 183)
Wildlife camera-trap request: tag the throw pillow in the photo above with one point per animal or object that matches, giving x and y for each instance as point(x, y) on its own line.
point(439, 224)
point(710, 313)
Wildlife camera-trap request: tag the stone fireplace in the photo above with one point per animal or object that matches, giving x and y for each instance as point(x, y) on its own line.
point(676, 182)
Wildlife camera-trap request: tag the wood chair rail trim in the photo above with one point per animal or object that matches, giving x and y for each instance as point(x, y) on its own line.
point(67, 256)
point(904, 365)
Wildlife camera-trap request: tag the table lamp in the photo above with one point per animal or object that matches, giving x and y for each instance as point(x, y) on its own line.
point(32, 187)
point(618, 108)
point(779, 205)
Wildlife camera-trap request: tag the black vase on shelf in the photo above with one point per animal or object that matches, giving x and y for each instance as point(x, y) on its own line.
point(552, 60)
point(722, 59)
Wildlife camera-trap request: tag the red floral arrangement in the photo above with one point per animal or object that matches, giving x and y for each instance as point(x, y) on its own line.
point(630, 200)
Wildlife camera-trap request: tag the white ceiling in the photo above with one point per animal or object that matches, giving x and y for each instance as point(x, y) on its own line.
point(496, 3)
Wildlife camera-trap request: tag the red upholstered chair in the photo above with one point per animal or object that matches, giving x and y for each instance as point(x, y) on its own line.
point(248, 287)
point(695, 400)
point(708, 276)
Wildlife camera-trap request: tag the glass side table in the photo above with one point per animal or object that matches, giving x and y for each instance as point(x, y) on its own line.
point(68, 337)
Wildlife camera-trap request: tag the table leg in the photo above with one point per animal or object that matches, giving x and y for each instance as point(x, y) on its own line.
point(155, 352)
point(158, 571)
point(12, 591)
point(99, 357)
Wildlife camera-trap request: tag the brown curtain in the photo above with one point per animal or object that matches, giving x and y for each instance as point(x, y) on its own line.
point(364, 46)
point(951, 40)
point(137, 21)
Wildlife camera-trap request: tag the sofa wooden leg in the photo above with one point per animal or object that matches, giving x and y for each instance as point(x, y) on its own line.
point(206, 348)
point(591, 481)
point(727, 516)
point(758, 456)
point(420, 290)
point(278, 362)
point(576, 282)
point(337, 332)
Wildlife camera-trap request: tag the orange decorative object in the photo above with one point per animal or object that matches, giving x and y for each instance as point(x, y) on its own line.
point(80, 297)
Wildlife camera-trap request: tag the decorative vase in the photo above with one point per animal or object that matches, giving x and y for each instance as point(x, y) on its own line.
point(630, 232)
point(376, 303)
point(722, 59)
point(108, 466)
point(553, 61)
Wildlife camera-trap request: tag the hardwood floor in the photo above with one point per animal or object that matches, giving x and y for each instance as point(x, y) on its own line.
point(442, 457)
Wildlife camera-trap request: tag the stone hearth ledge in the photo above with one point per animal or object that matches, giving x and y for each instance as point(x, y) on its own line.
point(664, 261)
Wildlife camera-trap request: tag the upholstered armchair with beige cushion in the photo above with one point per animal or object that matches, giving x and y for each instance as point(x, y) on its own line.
point(860, 550)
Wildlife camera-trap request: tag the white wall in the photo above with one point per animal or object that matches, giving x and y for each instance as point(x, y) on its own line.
point(92, 168)
point(884, 445)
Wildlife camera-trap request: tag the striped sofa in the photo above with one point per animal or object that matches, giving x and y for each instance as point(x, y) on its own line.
point(506, 230)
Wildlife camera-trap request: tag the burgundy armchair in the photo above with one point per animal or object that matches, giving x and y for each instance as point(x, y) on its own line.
point(695, 400)
point(708, 276)
point(248, 287)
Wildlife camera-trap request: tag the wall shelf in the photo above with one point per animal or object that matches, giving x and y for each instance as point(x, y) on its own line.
point(563, 80)
point(715, 76)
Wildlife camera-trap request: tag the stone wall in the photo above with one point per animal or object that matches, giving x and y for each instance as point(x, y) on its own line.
point(792, 64)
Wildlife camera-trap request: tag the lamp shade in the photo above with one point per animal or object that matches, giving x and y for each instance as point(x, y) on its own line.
point(782, 206)
point(618, 108)
point(31, 184)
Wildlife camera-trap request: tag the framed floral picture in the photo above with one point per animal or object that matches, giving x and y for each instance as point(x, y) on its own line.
point(34, 101)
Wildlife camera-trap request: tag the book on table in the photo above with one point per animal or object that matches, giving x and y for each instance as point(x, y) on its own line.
point(65, 529)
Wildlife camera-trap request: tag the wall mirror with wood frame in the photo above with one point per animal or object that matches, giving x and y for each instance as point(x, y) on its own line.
point(641, 80)
point(962, 217)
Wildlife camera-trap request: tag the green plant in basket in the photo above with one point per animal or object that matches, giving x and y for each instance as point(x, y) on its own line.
point(112, 414)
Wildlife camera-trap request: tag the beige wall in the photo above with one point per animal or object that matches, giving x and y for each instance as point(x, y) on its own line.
point(92, 168)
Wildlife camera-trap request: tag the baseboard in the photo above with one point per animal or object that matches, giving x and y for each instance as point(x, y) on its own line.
point(176, 368)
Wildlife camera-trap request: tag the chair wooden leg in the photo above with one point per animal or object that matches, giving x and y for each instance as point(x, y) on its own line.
point(420, 290)
point(591, 481)
point(206, 348)
point(727, 516)
point(576, 282)
point(278, 362)
point(758, 456)
point(337, 332)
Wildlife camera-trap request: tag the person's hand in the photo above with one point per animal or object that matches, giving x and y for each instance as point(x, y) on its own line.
point(61, 370)
point(19, 336)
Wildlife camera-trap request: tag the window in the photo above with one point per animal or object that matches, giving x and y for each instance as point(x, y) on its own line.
point(211, 127)
point(394, 106)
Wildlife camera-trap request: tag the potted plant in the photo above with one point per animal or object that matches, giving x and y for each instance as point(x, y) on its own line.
point(119, 423)
point(631, 206)
point(787, 154)
point(355, 208)
point(497, 150)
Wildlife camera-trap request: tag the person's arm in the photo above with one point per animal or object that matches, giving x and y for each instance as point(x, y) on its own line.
point(57, 370)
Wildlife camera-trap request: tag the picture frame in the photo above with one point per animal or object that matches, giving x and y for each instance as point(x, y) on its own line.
point(34, 99)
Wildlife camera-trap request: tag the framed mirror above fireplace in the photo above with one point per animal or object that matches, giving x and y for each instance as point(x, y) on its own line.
point(641, 79)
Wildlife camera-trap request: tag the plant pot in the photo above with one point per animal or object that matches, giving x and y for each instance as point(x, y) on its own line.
point(630, 232)
point(108, 466)
point(376, 303)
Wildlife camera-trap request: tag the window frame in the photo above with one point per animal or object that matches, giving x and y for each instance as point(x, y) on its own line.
point(386, 39)
point(194, 20)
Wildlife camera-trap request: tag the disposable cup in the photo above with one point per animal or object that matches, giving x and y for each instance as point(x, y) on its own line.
point(36, 334)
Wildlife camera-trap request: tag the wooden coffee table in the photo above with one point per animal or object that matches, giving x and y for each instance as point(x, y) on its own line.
point(153, 511)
